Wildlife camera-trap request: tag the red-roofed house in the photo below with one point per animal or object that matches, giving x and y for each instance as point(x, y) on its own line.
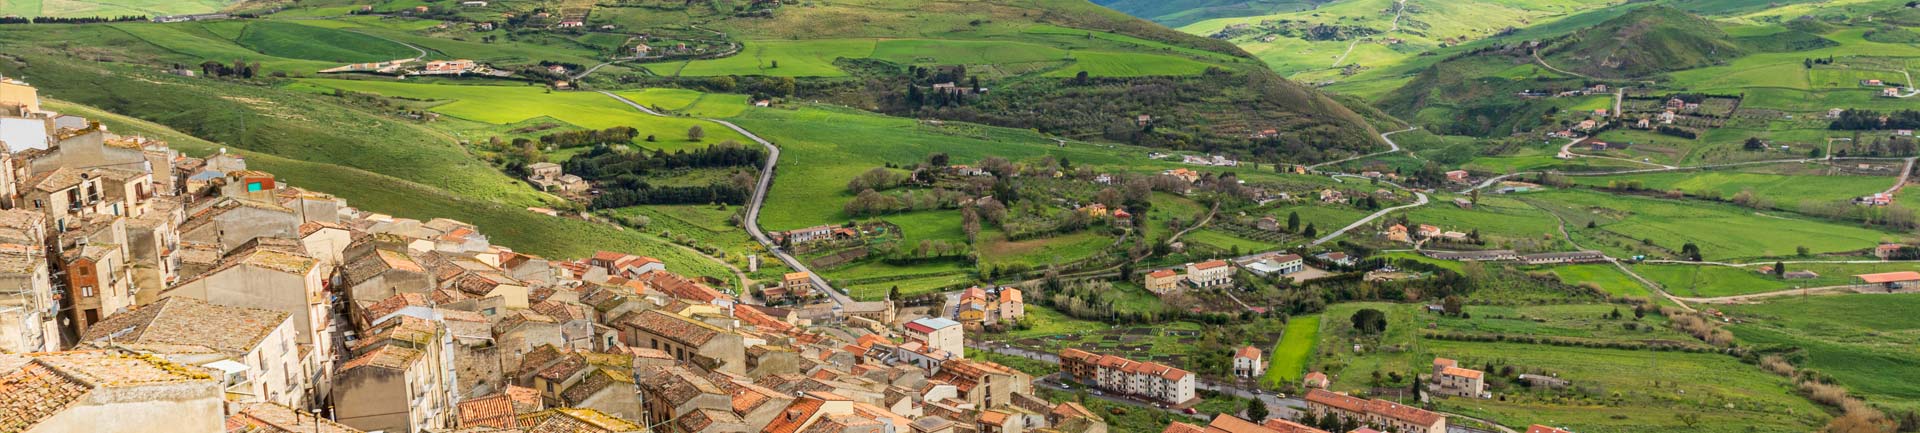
point(1209, 273)
point(1248, 362)
point(1163, 281)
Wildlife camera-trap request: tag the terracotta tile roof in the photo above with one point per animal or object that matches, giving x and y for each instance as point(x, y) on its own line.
point(1233, 424)
point(185, 321)
point(1284, 426)
point(388, 357)
point(1462, 372)
point(491, 411)
point(274, 418)
point(377, 310)
point(1163, 273)
point(677, 385)
point(34, 392)
point(681, 287)
point(569, 365)
point(682, 330)
point(1181, 427)
point(1336, 400)
point(1248, 352)
point(597, 380)
point(1073, 410)
point(1210, 264)
point(795, 416)
point(568, 420)
point(1414, 415)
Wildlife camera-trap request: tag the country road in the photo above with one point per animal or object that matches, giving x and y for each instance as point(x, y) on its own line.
point(759, 199)
point(1391, 148)
point(1376, 215)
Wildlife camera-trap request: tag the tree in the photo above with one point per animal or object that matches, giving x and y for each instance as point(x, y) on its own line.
point(1257, 410)
point(1311, 232)
point(1369, 321)
point(1690, 252)
point(775, 64)
point(1452, 305)
point(696, 133)
point(1802, 251)
point(1293, 222)
point(1780, 269)
point(1754, 143)
point(938, 159)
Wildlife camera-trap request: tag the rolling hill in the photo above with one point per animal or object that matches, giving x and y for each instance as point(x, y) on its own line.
point(1647, 41)
point(1175, 13)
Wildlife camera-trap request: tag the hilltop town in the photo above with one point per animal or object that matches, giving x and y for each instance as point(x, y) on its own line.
point(959, 216)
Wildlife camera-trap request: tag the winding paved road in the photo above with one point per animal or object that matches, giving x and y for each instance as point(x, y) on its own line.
point(759, 198)
point(1391, 148)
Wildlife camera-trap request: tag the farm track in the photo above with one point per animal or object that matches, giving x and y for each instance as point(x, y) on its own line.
point(1399, 9)
point(759, 199)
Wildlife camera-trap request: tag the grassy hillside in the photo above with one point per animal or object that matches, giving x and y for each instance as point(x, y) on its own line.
point(71, 8)
point(1647, 41)
point(1176, 13)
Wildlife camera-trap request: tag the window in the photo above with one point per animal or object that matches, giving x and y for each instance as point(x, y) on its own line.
point(254, 186)
point(86, 291)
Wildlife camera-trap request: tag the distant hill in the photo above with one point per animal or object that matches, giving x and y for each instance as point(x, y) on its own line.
point(1647, 41)
point(1176, 13)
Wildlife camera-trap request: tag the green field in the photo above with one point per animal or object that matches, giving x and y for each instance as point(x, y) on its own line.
point(1722, 231)
point(1608, 278)
point(1866, 342)
point(1290, 356)
point(295, 41)
point(502, 105)
point(1715, 281)
point(1787, 191)
point(813, 58)
point(77, 8)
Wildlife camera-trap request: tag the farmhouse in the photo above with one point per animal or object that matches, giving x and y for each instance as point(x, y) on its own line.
point(1379, 414)
point(1315, 380)
point(1450, 379)
point(1337, 257)
point(1163, 281)
point(1457, 176)
point(1463, 203)
point(1247, 362)
point(1183, 174)
point(1209, 273)
point(1428, 231)
point(1268, 223)
point(548, 177)
point(1886, 251)
point(1398, 233)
